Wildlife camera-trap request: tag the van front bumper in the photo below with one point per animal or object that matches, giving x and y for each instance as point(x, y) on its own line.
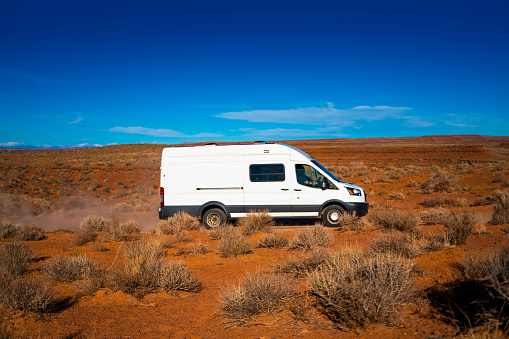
point(360, 208)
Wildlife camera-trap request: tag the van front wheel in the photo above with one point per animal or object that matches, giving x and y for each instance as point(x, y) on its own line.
point(331, 215)
point(213, 218)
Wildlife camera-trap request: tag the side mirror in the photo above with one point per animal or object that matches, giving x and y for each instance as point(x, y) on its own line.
point(325, 184)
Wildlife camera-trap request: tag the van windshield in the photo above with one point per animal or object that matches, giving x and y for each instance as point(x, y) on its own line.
point(325, 170)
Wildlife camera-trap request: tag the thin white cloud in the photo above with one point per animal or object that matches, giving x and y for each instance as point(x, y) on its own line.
point(79, 119)
point(319, 116)
point(282, 133)
point(163, 133)
point(13, 144)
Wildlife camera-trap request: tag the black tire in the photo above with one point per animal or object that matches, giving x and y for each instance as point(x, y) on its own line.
point(331, 214)
point(213, 218)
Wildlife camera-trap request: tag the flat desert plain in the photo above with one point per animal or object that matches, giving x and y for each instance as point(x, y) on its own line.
point(421, 190)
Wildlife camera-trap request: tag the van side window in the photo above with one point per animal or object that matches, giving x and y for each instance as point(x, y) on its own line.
point(267, 172)
point(308, 176)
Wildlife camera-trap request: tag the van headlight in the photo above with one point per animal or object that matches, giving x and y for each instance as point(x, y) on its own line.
point(354, 191)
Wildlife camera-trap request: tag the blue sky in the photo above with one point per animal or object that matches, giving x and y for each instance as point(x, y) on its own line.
point(104, 72)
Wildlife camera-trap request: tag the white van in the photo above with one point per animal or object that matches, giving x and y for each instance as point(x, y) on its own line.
point(219, 183)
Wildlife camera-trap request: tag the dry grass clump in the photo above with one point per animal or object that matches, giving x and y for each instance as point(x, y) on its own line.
point(178, 224)
point(67, 269)
point(7, 229)
point(233, 244)
point(360, 289)
point(95, 223)
point(302, 265)
point(501, 209)
point(118, 231)
point(28, 232)
point(14, 261)
point(310, 239)
point(439, 182)
point(458, 227)
point(273, 240)
point(442, 201)
point(221, 231)
point(255, 222)
point(180, 220)
point(388, 218)
point(84, 235)
point(397, 195)
point(28, 297)
point(257, 293)
point(395, 243)
point(145, 270)
point(434, 242)
point(350, 222)
point(491, 269)
point(434, 216)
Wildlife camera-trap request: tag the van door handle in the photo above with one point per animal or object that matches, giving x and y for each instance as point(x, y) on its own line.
point(284, 189)
point(297, 189)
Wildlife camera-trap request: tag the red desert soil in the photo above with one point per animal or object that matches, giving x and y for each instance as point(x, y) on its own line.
point(56, 189)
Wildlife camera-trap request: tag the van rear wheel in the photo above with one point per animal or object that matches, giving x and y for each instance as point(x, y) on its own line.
point(213, 218)
point(331, 215)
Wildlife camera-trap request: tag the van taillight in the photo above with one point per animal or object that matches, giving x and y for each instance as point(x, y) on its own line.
point(161, 192)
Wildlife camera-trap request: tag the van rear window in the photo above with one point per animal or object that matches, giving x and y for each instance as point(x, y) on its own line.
point(267, 172)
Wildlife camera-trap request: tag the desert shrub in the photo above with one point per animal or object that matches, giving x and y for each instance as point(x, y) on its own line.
point(28, 297)
point(29, 232)
point(400, 244)
point(198, 248)
point(221, 231)
point(310, 239)
point(491, 269)
point(350, 222)
point(397, 195)
point(302, 265)
point(7, 229)
point(175, 276)
point(14, 261)
point(145, 271)
point(257, 293)
point(442, 200)
point(273, 240)
point(412, 183)
point(95, 223)
point(118, 231)
point(6, 332)
point(434, 242)
point(439, 182)
point(434, 216)
point(458, 227)
point(388, 218)
point(233, 244)
point(255, 222)
point(396, 174)
point(479, 294)
point(84, 235)
point(384, 179)
point(69, 269)
point(357, 290)
point(501, 208)
point(178, 224)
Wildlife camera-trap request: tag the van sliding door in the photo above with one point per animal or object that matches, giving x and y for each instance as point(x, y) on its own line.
point(267, 185)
